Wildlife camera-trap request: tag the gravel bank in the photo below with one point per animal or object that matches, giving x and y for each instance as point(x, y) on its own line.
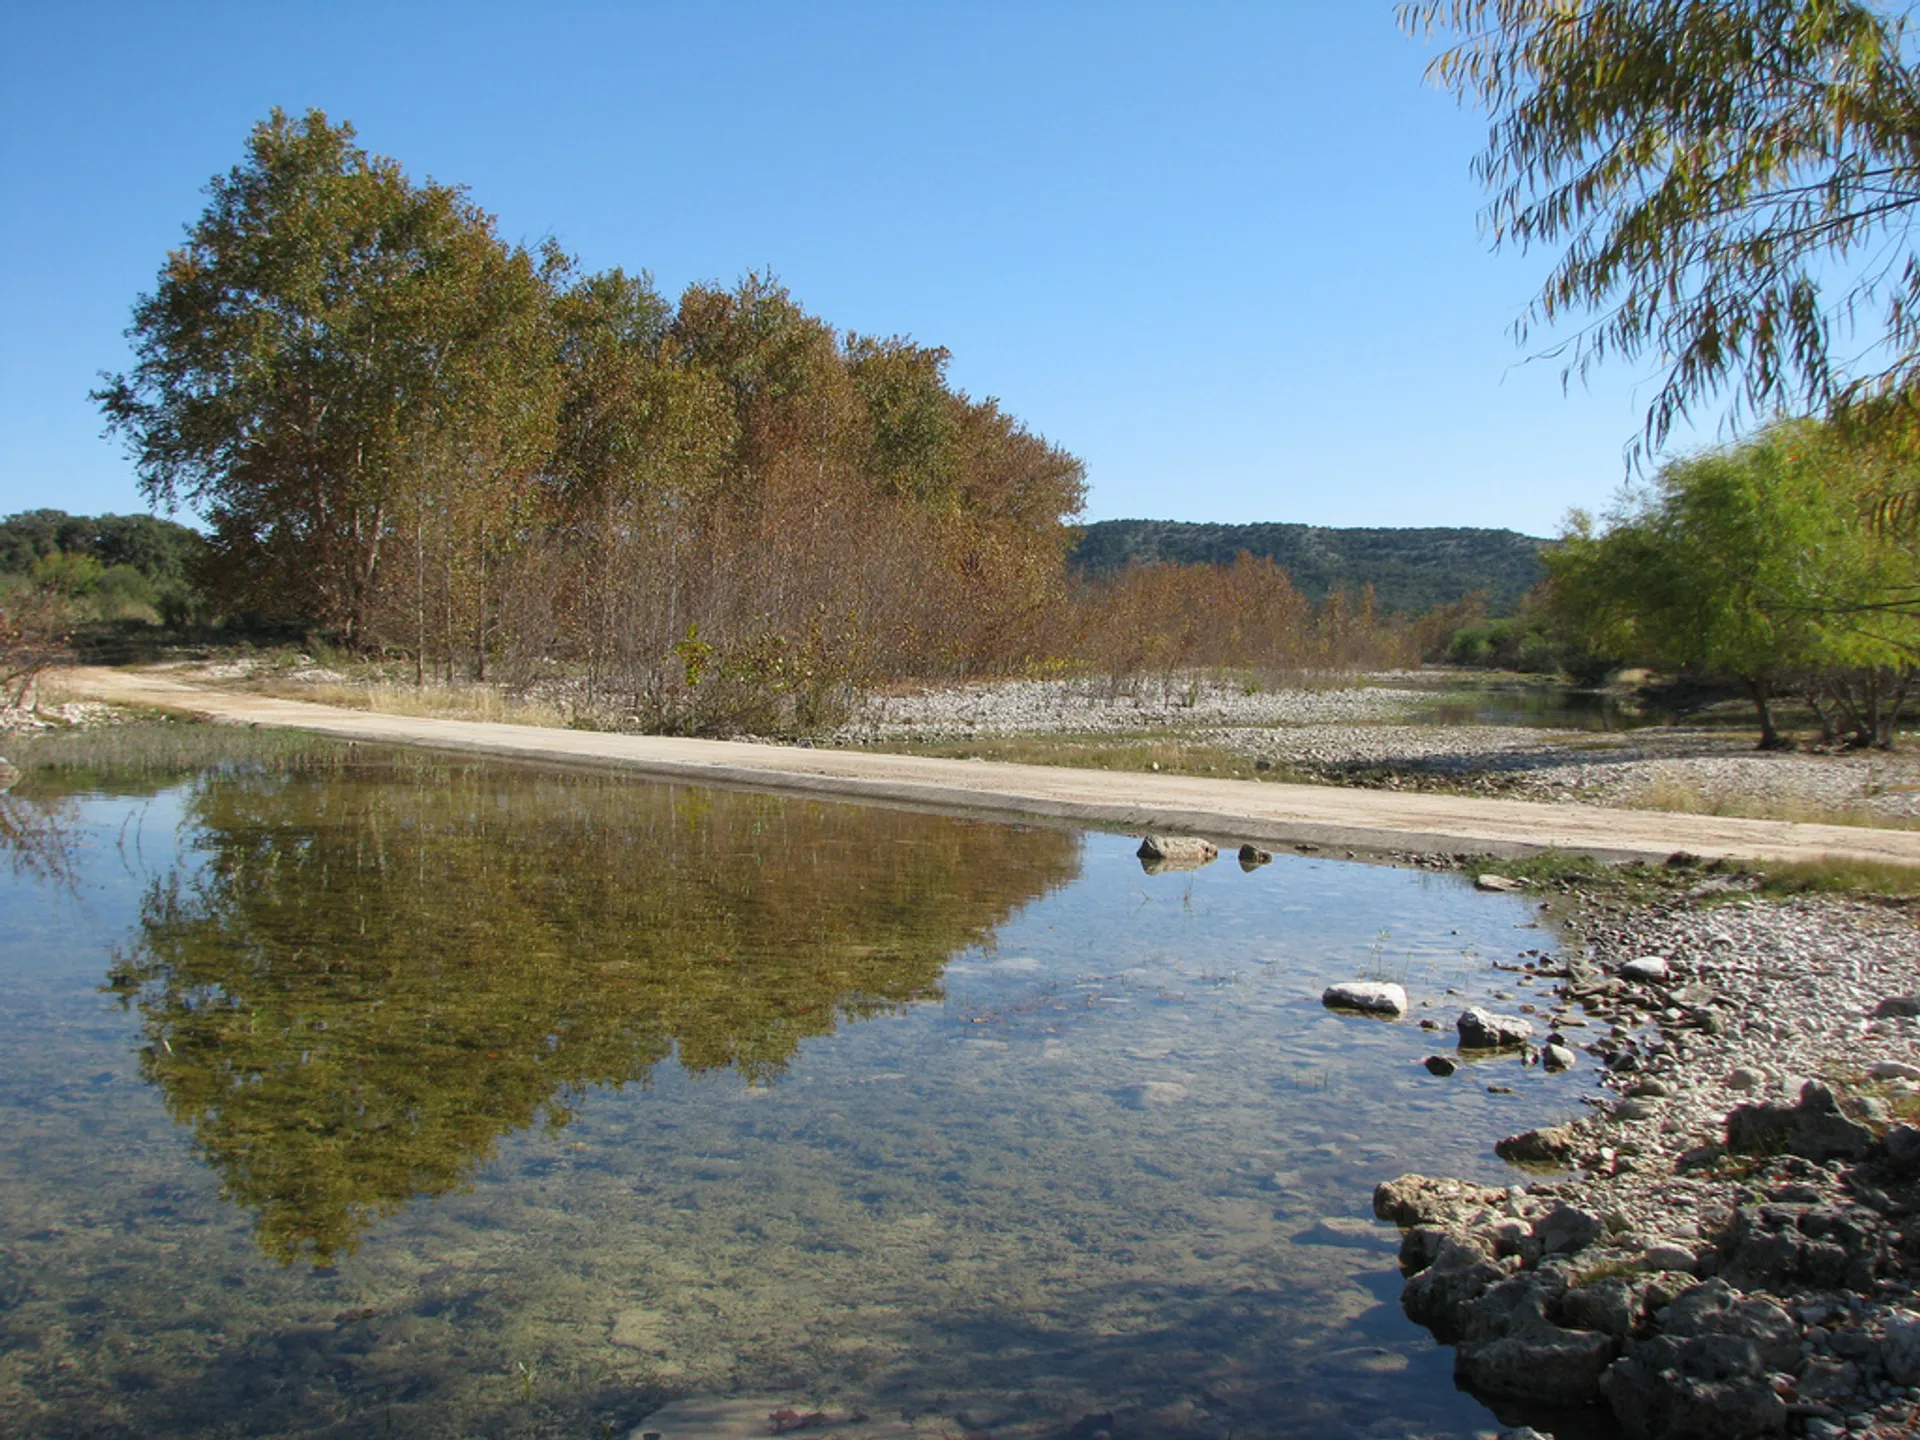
point(1358, 735)
point(1737, 1248)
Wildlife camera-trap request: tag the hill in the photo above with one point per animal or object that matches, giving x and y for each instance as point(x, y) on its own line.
point(1410, 570)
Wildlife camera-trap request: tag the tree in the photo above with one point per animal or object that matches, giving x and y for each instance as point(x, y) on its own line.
point(1759, 561)
point(334, 348)
point(1732, 181)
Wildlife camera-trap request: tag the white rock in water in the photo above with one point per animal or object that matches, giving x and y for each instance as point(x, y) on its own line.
point(1491, 881)
point(1893, 1070)
point(1373, 996)
point(1647, 967)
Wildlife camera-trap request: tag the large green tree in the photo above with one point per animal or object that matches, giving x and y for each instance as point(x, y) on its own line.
point(334, 353)
point(1758, 561)
point(1729, 182)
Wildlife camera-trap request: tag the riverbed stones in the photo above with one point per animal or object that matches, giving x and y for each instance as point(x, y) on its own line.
point(1176, 852)
point(1481, 1029)
point(1371, 997)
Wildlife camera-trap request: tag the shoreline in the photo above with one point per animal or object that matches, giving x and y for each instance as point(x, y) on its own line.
point(1232, 811)
point(1729, 1243)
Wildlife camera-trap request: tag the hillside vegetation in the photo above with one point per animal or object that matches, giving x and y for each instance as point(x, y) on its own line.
point(1410, 570)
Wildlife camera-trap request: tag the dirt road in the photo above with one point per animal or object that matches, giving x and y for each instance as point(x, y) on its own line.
point(1229, 811)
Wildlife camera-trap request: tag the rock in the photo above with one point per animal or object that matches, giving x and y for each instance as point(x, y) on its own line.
point(1746, 1078)
point(1668, 1257)
point(1482, 1030)
point(1556, 1057)
point(1893, 1070)
point(1832, 1246)
point(1490, 881)
point(1372, 997)
point(1439, 1295)
point(1567, 1228)
point(1814, 1129)
point(1440, 1065)
point(1424, 1200)
point(1901, 1351)
point(1649, 1090)
point(1897, 1007)
point(1549, 1145)
point(1648, 969)
point(1709, 1385)
point(1510, 1347)
point(1713, 1307)
point(1252, 857)
point(1175, 852)
point(1613, 1305)
point(9, 776)
point(1822, 1382)
point(1902, 1143)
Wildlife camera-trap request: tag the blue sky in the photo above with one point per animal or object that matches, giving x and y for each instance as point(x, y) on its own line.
point(1227, 253)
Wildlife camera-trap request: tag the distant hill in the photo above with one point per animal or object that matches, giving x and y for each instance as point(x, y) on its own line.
point(1410, 570)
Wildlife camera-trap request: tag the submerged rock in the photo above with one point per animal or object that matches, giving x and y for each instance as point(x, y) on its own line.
point(1373, 997)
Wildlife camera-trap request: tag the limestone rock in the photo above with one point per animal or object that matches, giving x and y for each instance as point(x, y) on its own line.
point(1614, 1306)
point(1709, 1385)
point(1483, 1030)
point(1647, 969)
point(1502, 883)
point(1549, 1145)
point(1374, 997)
point(1901, 1353)
point(1814, 1129)
point(1175, 852)
point(1567, 1228)
point(1427, 1200)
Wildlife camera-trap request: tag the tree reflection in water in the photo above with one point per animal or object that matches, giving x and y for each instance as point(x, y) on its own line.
point(373, 974)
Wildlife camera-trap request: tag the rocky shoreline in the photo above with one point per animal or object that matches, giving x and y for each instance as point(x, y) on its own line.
point(1729, 1244)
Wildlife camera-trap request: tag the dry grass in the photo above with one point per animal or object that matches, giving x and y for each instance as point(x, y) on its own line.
point(1692, 797)
point(1132, 753)
point(466, 702)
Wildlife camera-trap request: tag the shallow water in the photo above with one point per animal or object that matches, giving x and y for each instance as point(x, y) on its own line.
point(388, 1095)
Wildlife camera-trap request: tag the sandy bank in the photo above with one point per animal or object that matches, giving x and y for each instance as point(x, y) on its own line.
point(1228, 810)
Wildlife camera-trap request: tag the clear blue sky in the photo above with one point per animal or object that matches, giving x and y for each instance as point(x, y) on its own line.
point(1227, 253)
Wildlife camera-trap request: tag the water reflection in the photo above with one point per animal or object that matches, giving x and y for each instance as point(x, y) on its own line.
point(352, 987)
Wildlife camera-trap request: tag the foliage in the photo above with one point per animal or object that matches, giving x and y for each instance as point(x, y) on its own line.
point(333, 349)
point(1410, 570)
point(160, 550)
point(1731, 181)
point(1759, 561)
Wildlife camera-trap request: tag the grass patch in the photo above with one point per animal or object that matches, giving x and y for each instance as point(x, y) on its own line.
point(476, 702)
point(1837, 877)
point(1638, 881)
point(129, 757)
point(1691, 798)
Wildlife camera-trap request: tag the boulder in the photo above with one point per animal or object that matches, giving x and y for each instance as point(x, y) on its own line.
point(1556, 1057)
point(1501, 883)
point(1646, 970)
point(1713, 1307)
point(1429, 1200)
point(1483, 1030)
point(1439, 1295)
point(1373, 997)
point(1549, 1145)
point(1567, 1228)
point(1901, 1352)
point(1710, 1385)
point(1509, 1346)
point(1614, 1306)
point(1440, 1065)
point(1893, 1070)
point(1252, 857)
point(1175, 852)
point(1897, 1007)
point(1781, 1244)
point(1814, 1129)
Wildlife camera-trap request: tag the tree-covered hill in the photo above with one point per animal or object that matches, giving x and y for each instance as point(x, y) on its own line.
point(1410, 570)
